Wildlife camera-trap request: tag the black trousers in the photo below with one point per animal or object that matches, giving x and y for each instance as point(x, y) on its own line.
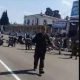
point(27, 46)
point(74, 53)
point(38, 57)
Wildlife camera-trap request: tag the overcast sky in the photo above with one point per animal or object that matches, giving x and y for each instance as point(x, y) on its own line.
point(18, 8)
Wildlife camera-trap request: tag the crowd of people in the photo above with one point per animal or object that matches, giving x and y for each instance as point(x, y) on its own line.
point(42, 42)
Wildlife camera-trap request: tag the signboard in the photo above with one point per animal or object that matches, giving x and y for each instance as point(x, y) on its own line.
point(60, 24)
point(73, 29)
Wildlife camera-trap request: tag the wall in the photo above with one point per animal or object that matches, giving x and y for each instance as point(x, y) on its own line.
point(40, 18)
point(24, 28)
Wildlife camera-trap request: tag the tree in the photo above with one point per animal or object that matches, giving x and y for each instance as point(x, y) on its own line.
point(4, 19)
point(52, 13)
point(49, 12)
point(67, 18)
point(56, 14)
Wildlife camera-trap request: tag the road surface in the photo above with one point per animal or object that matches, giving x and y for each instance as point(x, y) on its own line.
point(16, 63)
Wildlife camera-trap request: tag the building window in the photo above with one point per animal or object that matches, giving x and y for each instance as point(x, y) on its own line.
point(28, 22)
point(52, 22)
point(44, 22)
point(32, 22)
point(24, 21)
point(37, 21)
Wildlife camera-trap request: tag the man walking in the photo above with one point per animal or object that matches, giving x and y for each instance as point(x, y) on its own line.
point(41, 39)
point(74, 49)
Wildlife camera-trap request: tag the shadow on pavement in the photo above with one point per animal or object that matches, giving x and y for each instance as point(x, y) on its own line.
point(27, 51)
point(29, 71)
point(62, 54)
point(65, 58)
point(20, 49)
point(57, 54)
point(5, 46)
point(67, 54)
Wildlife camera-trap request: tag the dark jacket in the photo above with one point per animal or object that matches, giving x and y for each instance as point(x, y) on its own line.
point(41, 40)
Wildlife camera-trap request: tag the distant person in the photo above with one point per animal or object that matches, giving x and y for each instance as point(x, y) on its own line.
point(74, 49)
point(1, 39)
point(27, 42)
point(1, 35)
point(65, 43)
point(41, 39)
point(10, 42)
point(14, 41)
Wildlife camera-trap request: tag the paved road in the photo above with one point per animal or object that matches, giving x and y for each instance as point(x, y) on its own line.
point(17, 63)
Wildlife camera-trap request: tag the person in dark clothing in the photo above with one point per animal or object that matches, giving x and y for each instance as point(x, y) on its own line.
point(65, 43)
point(11, 41)
point(74, 49)
point(14, 41)
point(28, 42)
point(20, 40)
point(1, 41)
point(41, 39)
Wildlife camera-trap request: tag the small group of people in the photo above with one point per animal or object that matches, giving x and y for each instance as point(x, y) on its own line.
point(18, 38)
point(41, 41)
point(12, 41)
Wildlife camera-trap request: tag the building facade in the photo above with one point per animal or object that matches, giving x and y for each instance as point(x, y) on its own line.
point(74, 20)
point(75, 9)
point(75, 12)
point(39, 19)
point(61, 26)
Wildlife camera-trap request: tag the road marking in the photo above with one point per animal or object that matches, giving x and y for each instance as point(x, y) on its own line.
point(12, 73)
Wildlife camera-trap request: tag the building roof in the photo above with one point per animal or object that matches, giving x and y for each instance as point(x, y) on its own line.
point(43, 15)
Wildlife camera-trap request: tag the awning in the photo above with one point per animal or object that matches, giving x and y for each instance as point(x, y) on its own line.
point(74, 21)
point(59, 25)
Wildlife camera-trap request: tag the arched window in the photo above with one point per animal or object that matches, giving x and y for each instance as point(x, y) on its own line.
point(52, 22)
point(37, 21)
point(24, 21)
point(32, 22)
point(28, 22)
point(44, 22)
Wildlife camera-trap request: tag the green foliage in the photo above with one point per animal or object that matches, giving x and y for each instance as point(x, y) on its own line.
point(52, 13)
point(4, 19)
point(49, 12)
point(56, 14)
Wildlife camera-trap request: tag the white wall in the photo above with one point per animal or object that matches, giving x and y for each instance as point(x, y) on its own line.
point(31, 18)
point(40, 19)
point(49, 21)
